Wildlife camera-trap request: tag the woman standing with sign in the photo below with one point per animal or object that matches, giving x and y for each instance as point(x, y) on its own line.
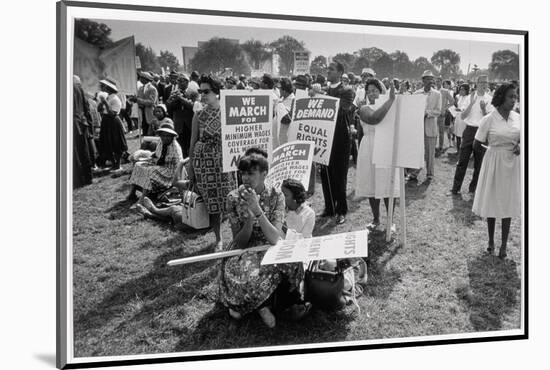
point(206, 167)
point(256, 214)
point(373, 182)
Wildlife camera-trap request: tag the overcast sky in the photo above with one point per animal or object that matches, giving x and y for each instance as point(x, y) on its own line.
point(171, 36)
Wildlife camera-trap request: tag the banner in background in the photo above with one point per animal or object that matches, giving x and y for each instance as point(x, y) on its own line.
point(314, 119)
point(345, 245)
point(92, 64)
point(291, 161)
point(410, 138)
point(246, 119)
point(301, 62)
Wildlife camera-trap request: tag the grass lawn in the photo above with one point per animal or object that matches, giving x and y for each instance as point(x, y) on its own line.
point(128, 301)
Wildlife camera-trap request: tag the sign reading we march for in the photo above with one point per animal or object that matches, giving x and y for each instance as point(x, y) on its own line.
point(246, 120)
point(291, 161)
point(345, 245)
point(314, 119)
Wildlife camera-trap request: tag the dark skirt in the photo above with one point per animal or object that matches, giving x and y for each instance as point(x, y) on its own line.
point(112, 142)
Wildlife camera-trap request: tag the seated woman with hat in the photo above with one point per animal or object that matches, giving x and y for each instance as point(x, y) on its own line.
point(156, 175)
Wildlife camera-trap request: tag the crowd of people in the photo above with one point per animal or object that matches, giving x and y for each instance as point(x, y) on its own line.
point(479, 118)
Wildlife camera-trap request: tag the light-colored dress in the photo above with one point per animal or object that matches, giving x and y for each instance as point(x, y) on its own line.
point(372, 181)
point(159, 176)
point(498, 192)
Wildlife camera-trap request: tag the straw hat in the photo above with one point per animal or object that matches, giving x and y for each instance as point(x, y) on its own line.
point(167, 128)
point(369, 71)
point(427, 73)
point(110, 83)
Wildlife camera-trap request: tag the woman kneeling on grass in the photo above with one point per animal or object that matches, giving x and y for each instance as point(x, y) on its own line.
point(157, 175)
point(256, 214)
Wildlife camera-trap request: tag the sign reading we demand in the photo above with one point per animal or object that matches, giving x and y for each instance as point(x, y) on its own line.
point(246, 120)
point(314, 119)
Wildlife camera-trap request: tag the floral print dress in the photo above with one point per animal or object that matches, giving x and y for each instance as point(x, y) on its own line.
point(245, 284)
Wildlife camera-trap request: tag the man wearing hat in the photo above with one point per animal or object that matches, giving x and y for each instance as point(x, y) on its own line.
point(147, 99)
point(432, 111)
point(180, 109)
point(230, 83)
point(480, 105)
point(170, 86)
point(334, 177)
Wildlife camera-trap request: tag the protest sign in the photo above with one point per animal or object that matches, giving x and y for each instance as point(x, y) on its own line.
point(301, 62)
point(118, 61)
point(345, 245)
point(410, 139)
point(291, 161)
point(314, 119)
point(246, 119)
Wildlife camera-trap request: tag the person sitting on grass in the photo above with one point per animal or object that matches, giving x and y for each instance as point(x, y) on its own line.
point(256, 214)
point(300, 217)
point(156, 174)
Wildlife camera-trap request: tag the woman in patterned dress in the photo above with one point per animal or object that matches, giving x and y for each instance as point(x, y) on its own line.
point(256, 214)
point(498, 193)
point(205, 169)
point(157, 176)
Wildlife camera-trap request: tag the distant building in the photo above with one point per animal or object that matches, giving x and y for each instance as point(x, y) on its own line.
point(188, 54)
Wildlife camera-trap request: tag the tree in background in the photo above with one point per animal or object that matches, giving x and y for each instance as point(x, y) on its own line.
point(447, 62)
point(148, 58)
point(319, 65)
point(347, 60)
point(504, 65)
point(168, 60)
point(94, 33)
point(422, 64)
point(217, 54)
point(285, 47)
point(257, 51)
point(402, 65)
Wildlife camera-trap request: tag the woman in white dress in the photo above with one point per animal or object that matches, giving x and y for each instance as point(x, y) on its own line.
point(498, 193)
point(371, 181)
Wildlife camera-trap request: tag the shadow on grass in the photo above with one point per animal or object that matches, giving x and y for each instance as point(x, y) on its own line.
point(462, 210)
point(217, 330)
point(161, 287)
point(415, 191)
point(120, 210)
point(381, 281)
point(492, 293)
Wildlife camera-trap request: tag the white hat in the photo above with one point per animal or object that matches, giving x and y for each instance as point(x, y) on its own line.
point(345, 76)
point(114, 103)
point(427, 73)
point(369, 71)
point(110, 83)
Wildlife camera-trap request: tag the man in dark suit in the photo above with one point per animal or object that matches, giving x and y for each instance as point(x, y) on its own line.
point(334, 176)
point(180, 109)
point(171, 86)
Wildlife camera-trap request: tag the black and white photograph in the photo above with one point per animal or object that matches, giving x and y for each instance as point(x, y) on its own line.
point(237, 184)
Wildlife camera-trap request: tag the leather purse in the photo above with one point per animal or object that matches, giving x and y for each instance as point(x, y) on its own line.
point(324, 289)
point(194, 211)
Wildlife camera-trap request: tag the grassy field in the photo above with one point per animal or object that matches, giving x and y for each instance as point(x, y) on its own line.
point(127, 301)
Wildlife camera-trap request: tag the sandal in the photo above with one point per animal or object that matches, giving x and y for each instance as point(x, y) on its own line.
point(491, 249)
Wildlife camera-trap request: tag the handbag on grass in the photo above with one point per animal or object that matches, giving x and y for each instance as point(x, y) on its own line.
point(194, 211)
point(323, 288)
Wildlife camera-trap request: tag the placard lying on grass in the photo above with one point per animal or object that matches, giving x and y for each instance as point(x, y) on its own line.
point(345, 245)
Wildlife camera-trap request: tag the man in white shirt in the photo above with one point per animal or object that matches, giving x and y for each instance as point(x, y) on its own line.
point(480, 106)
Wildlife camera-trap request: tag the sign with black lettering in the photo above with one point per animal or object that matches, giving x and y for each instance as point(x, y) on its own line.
point(314, 119)
point(246, 120)
point(291, 161)
point(345, 245)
